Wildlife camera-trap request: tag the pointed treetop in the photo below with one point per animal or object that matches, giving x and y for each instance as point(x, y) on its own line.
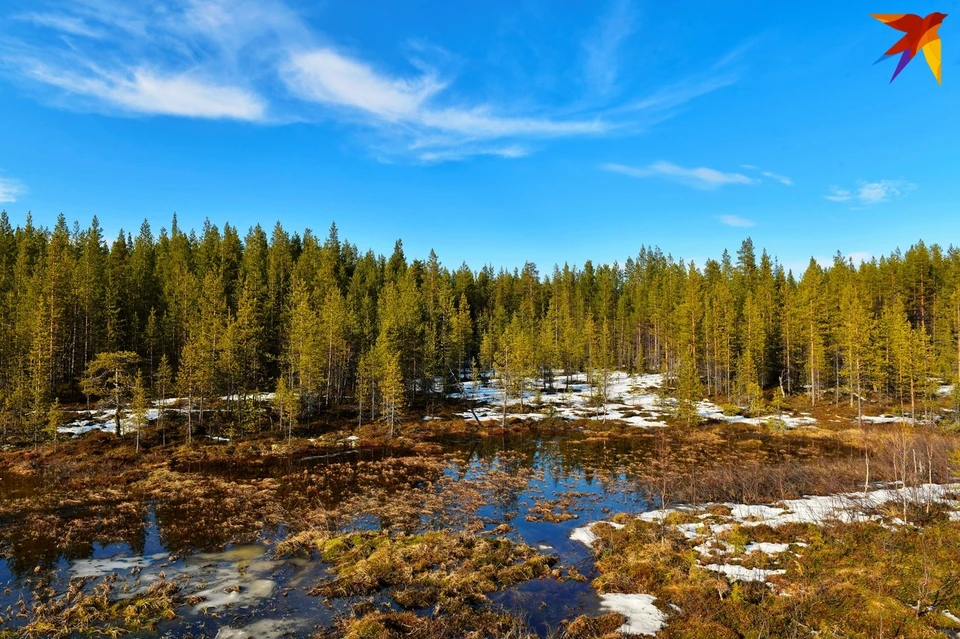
point(333, 237)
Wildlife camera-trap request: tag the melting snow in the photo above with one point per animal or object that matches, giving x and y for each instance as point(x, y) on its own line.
point(766, 548)
point(585, 534)
point(110, 565)
point(886, 419)
point(239, 577)
point(739, 573)
point(102, 420)
point(643, 618)
point(844, 507)
point(257, 397)
point(630, 399)
point(262, 629)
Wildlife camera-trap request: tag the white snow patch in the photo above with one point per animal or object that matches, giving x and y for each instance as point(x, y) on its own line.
point(710, 411)
point(585, 534)
point(103, 420)
point(257, 397)
point(739, 573)
point(814, 509)
point(82, 426)
point(843, 507)
point(643, 618)
point(887, 419)
point(630, 399)
point(766, 548)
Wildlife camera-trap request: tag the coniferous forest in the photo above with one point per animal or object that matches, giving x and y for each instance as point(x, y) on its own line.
point(194, 421)
point(224, 313)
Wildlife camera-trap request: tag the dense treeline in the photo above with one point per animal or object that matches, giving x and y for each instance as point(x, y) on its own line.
point(215, 314)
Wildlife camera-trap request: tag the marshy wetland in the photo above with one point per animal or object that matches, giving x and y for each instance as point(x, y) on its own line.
point(556, 526)
point(557, 519)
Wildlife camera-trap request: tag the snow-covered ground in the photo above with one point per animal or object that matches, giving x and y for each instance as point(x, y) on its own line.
point(256, 397)
point(630, 399)
point(740, 573)
point(814, 509)
point(887, 419)
point(585, 534)
point(643, 618)
point(103, 420)
point(710, 411)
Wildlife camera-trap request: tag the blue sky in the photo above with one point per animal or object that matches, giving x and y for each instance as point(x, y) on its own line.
point(494, 132)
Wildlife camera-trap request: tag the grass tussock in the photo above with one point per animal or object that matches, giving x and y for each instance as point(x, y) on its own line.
point(463, 622)
point(459, 623)
point(97, 611)
point(419, 571)
point(602, 627)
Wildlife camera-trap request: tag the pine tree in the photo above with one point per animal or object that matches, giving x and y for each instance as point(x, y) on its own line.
point(390, 384)
point(305, 353)
point(54, 420)
point(856, 333)
point(287, 402)
point(138, 407)
point(812, 329)
point(110, 376)
point(162, 383)
point(461, 336)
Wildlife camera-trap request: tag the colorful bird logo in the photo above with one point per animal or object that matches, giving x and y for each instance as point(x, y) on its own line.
point(921, 34)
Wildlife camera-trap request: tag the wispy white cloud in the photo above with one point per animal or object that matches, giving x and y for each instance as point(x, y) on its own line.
point(667, 101)
point(326, 76)
point(262, 61)
point(507, 152)
point(62, 23)
point(736, 221)
point(146, 92)
point(407, 109)
point(699, 177)
point(11, 189)
point(682, 92)
point(782, 179)
point(602, 46)
point(839, 195)
point(868, 193)
point(186, 58)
